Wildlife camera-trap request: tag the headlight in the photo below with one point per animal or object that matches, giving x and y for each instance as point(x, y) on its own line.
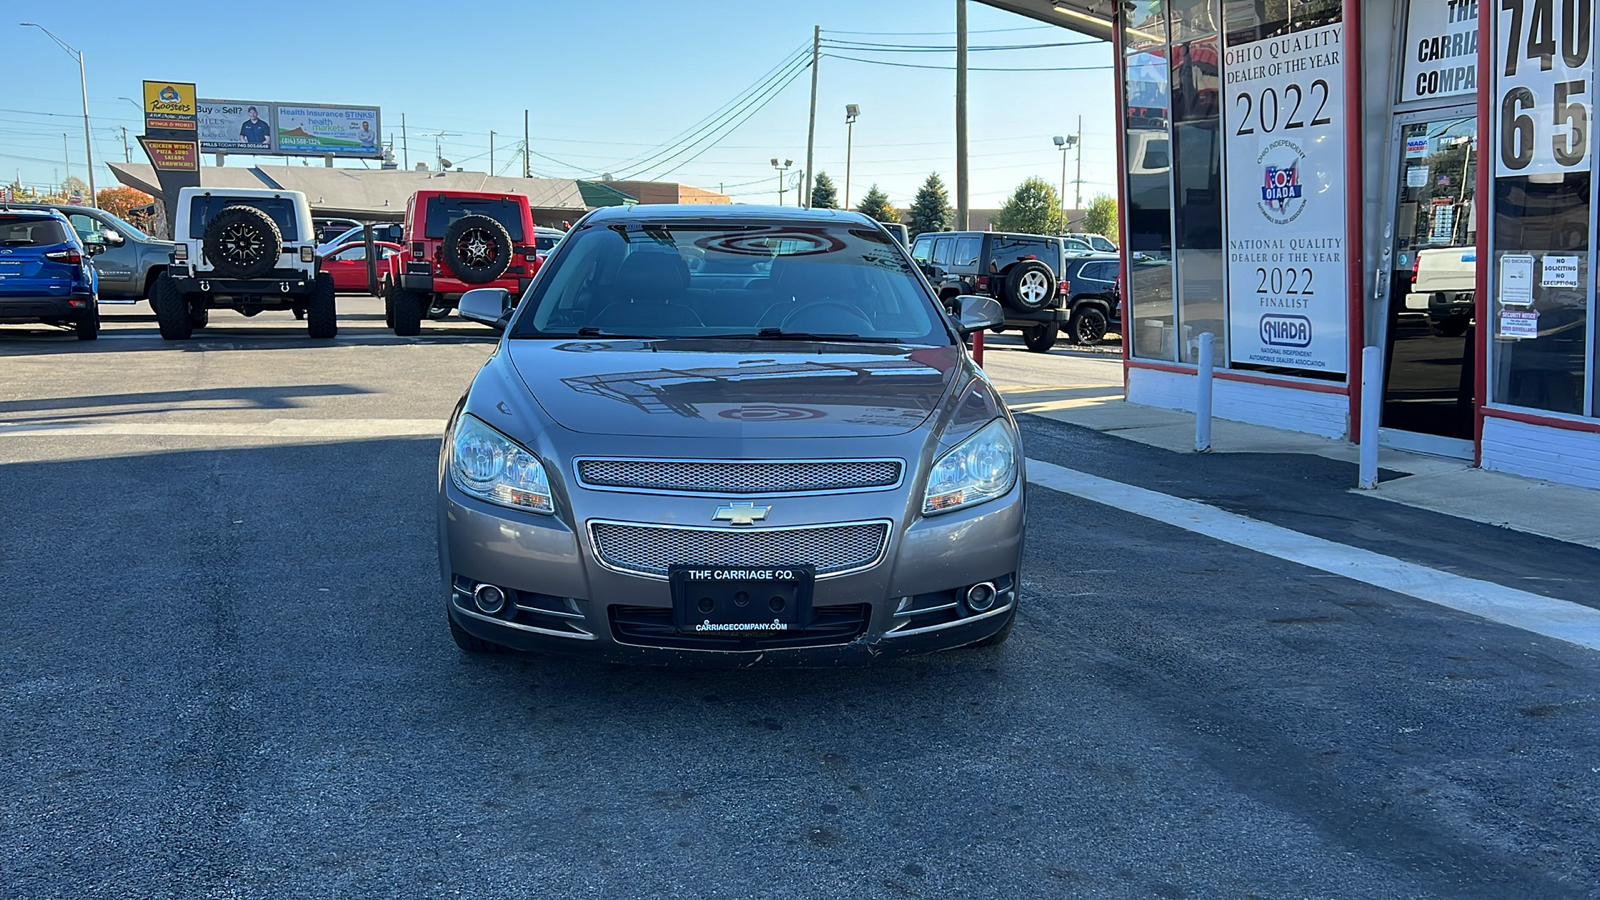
point(489, 465)
point(982, 467)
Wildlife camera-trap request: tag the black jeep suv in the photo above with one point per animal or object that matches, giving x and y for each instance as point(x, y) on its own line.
point(1025, 272)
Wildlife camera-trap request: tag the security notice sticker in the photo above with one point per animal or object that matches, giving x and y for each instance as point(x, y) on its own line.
point(1284, 121)
point(1558, 271)
point(1518, 324)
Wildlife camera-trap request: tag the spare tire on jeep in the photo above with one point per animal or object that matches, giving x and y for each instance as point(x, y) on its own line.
point(477, 249)
point(1030, 286)
point(242, 242)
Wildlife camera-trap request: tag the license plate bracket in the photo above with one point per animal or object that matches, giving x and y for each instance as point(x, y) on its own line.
point(741, 600)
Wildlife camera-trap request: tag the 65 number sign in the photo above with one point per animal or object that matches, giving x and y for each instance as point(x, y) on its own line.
point(1546, 102)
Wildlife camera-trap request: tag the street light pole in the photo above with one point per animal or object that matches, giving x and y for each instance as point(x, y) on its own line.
point(83, 83)
point(1061, 144)
point(851, 110)
point(782, 171)
point(1077, 186)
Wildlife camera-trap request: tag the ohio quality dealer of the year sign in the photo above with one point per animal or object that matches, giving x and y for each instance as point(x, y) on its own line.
point(1283, 116)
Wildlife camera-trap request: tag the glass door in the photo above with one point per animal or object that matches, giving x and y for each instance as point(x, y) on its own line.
point(1430, 319)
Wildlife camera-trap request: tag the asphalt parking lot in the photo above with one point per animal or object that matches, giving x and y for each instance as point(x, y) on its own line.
point(225, 672)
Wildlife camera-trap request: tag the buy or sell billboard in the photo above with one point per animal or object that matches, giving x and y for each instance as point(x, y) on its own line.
point(289, 129)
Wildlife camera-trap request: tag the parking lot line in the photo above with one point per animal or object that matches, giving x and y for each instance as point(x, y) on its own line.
point(1570, 622)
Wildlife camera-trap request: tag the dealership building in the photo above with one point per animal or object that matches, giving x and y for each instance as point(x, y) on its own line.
point(1305, 178)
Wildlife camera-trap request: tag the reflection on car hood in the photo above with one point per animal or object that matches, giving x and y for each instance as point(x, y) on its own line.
point(734, 388)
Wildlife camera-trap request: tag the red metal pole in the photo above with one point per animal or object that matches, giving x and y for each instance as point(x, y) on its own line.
point(1355, 203)
point(977, 347)
point(1484, 333)
point(1119, 77)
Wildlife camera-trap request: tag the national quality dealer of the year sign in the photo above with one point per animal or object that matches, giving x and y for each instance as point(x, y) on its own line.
point(1284, 120)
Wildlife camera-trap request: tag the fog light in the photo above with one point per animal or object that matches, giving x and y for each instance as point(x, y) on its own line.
point(980, 596)
point(489, 598)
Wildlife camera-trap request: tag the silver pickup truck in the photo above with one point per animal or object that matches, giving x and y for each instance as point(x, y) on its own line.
point(130, 261)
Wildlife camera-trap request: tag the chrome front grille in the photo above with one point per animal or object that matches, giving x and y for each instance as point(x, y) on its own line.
point(767, 478)
point(649, 550)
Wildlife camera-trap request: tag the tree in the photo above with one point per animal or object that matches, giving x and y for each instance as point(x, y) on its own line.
point(1101, 216)
point(876, 204)
point(119, 201)
point(72, 184)
point(1033, 208)
point(931, 210)
point(823, 194)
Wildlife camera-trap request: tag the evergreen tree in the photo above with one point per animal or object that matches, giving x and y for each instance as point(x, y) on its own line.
point(823, 194)
point(1033, 208)
point(876, 204)
point(931, 210)
point(1101, 216)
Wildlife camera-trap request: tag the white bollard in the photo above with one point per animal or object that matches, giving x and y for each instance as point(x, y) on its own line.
point(1371, 409)
point(1202, 407)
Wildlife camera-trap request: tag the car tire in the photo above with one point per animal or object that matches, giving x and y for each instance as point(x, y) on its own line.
point(242, 242)
point(199, 317)
point(471, 643)
point(477, 249)
point(407, 312)
point(1088, 326)
point(1040, 338)
point(87, 328)
point(1030, 286)
point(388, 308)
point(172, 311)
point(322, 312)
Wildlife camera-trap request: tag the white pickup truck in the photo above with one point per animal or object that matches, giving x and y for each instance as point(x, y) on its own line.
point(1444, 287)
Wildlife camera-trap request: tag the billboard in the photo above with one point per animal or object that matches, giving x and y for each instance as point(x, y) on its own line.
point(289, 129)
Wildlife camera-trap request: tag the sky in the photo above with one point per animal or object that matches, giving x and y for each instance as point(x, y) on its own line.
point(608, 85)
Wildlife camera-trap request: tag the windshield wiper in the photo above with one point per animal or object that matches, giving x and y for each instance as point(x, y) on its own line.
point(778, 334)
point(591, 331)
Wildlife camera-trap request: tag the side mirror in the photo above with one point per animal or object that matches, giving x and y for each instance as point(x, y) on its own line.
point(112, 238)
point(94, 248)
point(975, 313)
point(486, 306)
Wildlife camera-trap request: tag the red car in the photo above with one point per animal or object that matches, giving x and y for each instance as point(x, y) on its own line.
point(348, 265)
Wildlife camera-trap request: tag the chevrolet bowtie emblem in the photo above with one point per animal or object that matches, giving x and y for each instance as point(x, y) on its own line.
point(741, 513)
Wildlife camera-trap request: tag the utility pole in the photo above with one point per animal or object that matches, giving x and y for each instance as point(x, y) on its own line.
point(527, 170)
point(961, 115)
point(66, 154)
point(405, 148)
point(491, 152)
point(811, 129)
point(127, 155)
point(1077, 186)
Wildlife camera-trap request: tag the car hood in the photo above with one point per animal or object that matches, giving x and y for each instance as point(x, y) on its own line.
point(734, 388)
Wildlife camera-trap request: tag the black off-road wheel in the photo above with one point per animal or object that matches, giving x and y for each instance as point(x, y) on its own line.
point(1030, 287)
point(388, 305)
point(1088, 325)
point(471, 643)
point(322, 313)
point(1040, 338)
point(87, 328)
point(477, 249)
point(242, 242)
point(406, 311)
point(172, 311)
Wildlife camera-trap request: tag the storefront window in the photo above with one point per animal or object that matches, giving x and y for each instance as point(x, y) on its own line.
point(1197, 176)
point(1148, 300)
point(1541, 309)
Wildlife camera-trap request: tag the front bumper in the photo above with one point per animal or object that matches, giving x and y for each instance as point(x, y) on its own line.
point(41, 307)
point(564, 601)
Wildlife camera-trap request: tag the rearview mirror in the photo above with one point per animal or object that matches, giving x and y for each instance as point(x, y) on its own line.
point(974, 313)
point(486, 306)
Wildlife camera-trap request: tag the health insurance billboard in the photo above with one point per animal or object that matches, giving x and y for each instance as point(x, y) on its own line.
point(289, 129)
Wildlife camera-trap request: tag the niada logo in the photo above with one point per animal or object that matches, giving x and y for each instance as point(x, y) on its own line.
point(169, 94)
point(1285, 331)
point(1282, 195)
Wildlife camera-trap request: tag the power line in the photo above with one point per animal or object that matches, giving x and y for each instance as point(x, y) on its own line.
point(879, 62)
point(857, 47)
point(943, 33)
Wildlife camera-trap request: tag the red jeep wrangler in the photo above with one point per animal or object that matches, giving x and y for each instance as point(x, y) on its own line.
point(456, 241)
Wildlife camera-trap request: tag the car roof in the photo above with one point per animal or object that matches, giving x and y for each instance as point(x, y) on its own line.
point(239, 192)
point(707, 212)
point(41, 211)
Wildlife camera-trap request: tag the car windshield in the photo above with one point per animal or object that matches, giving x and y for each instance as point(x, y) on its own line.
point(126, 228)
point(30, 231)
point(769, 280)
point(443, 211)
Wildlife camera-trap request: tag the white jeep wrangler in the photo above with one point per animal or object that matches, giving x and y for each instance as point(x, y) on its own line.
point(245, 249)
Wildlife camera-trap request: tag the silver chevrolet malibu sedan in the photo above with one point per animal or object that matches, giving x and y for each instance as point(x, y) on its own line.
point(730, 435)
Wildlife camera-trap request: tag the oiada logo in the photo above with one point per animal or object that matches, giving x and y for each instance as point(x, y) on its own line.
point(1282, 195)
point(1285, 331)
point(169, 94)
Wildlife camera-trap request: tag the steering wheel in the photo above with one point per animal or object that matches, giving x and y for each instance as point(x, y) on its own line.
point(848, 310)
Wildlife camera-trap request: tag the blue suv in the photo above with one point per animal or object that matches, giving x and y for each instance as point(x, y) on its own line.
point(45, 273)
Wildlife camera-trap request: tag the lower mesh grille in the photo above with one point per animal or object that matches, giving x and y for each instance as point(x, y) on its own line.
point(650, 549)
